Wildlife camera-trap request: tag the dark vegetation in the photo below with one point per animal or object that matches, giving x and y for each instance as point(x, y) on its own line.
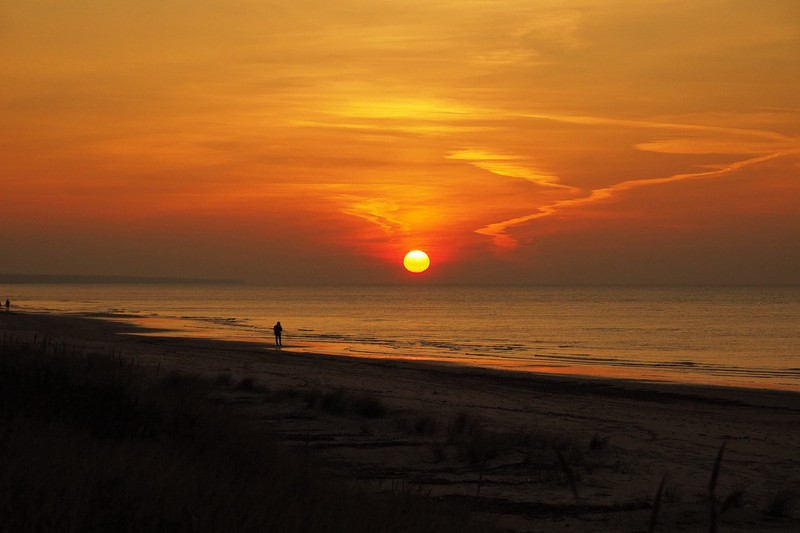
point(469, 448)
point(93, 442)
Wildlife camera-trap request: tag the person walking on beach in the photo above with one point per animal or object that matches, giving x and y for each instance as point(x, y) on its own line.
point(278, 330)
point(8, 306)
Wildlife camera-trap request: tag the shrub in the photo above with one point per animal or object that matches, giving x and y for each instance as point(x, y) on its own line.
point(781, 503)
point(425, 425)
point(368, 406)
point(598, 443)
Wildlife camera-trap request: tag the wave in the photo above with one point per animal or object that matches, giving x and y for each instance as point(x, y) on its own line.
point(686, 332)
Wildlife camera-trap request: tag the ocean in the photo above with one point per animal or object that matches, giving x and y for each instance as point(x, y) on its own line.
point(740, 336)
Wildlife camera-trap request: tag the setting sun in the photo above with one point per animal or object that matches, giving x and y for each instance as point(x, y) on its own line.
point(658, 145)
point(416, 261)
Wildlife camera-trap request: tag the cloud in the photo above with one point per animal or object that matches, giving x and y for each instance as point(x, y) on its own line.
point(769, 145)
point(382, 212)
point(509, 166)
point(710, 145)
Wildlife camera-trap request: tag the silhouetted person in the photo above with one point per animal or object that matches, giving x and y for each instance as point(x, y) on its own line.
point(8, 306)
point(278, 329)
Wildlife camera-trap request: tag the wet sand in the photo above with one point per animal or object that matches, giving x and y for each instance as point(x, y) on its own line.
point(544, 452)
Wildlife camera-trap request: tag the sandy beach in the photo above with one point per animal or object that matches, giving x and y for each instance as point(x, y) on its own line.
point(524, 452)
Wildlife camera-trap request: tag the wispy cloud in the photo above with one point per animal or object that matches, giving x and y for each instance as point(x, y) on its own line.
point(382, 212)
point(655, 125)
point(509, 166)
point(498, 230)
point(768, 145)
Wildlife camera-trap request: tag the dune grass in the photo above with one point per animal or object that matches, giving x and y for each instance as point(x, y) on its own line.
point(94, 443)
point(782, 503)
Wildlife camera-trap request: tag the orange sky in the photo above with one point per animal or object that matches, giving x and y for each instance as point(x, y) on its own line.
point(535, 141)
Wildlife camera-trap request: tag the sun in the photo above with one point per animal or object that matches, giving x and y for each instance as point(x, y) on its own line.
point(416, 261)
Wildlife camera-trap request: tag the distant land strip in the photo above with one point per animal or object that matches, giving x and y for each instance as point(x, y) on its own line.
point(87, 279)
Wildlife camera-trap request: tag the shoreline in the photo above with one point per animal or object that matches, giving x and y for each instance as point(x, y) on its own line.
point(683, 335)
point(653, 431)
point(655, 374)
point(99, 329)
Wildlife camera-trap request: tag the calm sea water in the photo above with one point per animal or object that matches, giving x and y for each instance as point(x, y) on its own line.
point(738, 336)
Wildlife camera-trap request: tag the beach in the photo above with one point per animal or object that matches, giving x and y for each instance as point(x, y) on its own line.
point(523, 451)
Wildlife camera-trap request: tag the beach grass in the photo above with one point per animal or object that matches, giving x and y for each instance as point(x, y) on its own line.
point(96, 443)
point(184, 435)
point(782, 503)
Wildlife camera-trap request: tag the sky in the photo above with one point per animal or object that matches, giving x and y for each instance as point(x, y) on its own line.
point(316, 142)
